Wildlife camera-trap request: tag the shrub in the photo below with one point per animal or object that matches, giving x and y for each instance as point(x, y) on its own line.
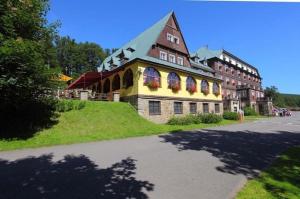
point(185, 120)
point(60, 106)
point(210, 118)
point(230, 115)
point(80, 105)
point(195, 119)
point(69, 105)
point(249, 111)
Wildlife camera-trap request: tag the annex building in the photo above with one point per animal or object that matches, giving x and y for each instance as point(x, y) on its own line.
point(242, 83)
point(156, 74)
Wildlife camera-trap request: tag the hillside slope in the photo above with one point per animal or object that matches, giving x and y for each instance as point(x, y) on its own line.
point(97, 121)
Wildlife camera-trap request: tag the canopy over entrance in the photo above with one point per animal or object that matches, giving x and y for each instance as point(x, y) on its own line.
point(87, 79)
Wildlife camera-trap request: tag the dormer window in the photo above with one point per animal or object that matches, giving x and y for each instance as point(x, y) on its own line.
point(172, 58)
point(163, 55)
point(180, 61)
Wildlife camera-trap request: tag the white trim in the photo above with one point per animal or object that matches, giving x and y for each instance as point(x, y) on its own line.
point(163, 55)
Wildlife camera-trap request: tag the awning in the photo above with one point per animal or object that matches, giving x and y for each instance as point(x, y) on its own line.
point(87, 79)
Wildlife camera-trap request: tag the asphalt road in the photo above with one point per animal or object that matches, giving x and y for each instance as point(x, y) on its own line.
point(206, 164)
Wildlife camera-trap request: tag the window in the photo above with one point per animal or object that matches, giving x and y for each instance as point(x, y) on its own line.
point(106, 86)
point(116, 83)
point(170, 37)
point(173, 81)
point(193, 107)
point(217, 108)
point(220, 68)
point(163, 55)
point(205, 108)
point(178, 107)
point(204, 87)
point(216, 88)
point(191, 84)
point(172, 58)
point(154, 108)
point(176, 40)
point(128, 78)
point(180, 61)
point(151, 77)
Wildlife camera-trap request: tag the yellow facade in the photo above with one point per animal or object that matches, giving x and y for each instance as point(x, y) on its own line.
point(139, 88)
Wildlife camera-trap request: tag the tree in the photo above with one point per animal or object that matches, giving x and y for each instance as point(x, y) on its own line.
point(77, 58)
point(273, 93)
point(26, 66)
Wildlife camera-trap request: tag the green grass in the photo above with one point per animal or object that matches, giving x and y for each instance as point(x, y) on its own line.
point(98, 121)
point(280, 181)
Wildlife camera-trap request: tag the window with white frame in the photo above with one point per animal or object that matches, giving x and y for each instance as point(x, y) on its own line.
point(172, 58)
point(172, 38)
point(176, 40)
point(163, 55)
point(180, 60)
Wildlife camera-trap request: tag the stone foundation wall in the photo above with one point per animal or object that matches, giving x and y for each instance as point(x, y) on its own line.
point(167, 108)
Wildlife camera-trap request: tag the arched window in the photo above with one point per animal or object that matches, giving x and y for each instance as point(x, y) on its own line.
point(116, 83)
point(106, 86)
point(216, 88)
point(128, 78)
point(173, 81)
point(151, 77)
point(204, 87)
point(191, 84)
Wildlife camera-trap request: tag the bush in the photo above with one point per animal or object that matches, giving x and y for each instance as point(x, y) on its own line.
point(210, 118)
point(195, 119)
point(80, 105)
point(60, 106)
point(230, 115)
point(68, 105)
point(249, 111)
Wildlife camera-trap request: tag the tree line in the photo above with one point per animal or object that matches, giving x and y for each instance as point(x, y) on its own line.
point(282, 100)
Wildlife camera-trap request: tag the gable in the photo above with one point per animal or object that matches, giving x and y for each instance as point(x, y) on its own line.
point(162, 42)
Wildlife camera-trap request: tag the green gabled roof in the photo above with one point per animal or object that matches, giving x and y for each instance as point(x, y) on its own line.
point(138, 49)
point(205, 53)
point(141, 44)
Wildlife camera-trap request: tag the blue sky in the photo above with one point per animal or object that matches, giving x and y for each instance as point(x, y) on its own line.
point(266, 35)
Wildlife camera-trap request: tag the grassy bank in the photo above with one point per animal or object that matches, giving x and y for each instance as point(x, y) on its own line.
point(97, 121)
point(280, 181)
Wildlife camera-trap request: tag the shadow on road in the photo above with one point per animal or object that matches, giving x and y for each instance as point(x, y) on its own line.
point(242, 152)
point(73, 177)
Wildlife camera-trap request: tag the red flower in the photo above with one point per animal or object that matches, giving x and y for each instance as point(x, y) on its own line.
point(192, 88)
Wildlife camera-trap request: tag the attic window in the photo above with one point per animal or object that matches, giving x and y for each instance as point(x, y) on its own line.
point(172, 38)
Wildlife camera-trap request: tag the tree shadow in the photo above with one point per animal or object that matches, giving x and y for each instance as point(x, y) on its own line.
point(23, 122)
point(241, 152)
point(73, 177)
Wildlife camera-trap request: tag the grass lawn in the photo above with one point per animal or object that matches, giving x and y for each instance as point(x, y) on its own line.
point(280, 181)
point(97, 121)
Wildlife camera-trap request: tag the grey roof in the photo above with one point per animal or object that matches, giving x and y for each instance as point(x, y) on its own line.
point(205, 53)
point(138, 49)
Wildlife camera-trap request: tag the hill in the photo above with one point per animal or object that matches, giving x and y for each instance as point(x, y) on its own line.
point(97, 121)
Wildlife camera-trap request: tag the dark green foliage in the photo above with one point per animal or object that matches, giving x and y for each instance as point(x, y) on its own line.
point(230, 115)
point(250, 111)
point(26, 60)
point(76, 58)
point(282, 100)
point(210, 118)
point(195, 119)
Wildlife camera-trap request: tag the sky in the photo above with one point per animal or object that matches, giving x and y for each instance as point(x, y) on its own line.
point(265, 35)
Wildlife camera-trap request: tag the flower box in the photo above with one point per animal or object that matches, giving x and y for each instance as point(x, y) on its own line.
point(153, 84)
point(192, 88)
